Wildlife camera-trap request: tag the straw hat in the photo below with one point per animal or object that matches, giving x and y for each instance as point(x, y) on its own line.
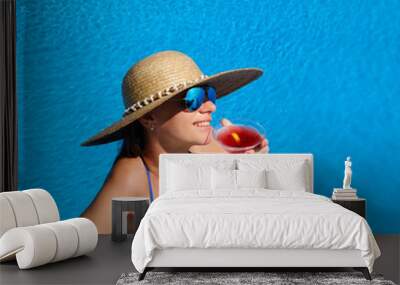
point(161, 76)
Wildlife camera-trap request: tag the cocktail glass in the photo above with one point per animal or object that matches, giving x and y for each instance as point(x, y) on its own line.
point(241, 136)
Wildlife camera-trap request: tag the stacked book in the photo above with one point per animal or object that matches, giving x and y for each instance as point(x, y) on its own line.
point(344, 194)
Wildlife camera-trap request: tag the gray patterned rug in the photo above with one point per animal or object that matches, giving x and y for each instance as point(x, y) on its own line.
point(230, 278)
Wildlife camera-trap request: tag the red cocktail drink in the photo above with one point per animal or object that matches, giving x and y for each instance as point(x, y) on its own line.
point(238, 138)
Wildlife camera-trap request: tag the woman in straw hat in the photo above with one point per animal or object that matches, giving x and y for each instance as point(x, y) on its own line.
point(168, 108)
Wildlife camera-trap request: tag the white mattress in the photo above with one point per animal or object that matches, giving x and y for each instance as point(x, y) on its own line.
point(252, 218)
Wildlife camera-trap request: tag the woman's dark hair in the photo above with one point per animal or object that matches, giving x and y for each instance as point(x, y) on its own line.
point(133, 141)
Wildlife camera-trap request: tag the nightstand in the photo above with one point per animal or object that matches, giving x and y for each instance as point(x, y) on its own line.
point(127, 212)
point(357, 206)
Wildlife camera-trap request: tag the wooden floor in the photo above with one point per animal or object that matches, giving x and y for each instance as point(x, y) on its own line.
point(111, 259)
point(389, 262)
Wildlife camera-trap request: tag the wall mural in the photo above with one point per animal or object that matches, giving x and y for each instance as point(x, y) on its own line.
point(329, 86)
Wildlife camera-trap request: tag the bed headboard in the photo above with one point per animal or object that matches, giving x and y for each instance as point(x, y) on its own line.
point(232, 159)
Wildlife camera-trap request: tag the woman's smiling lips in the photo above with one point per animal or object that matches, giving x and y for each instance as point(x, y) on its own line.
point(202, 124)
point(205, 124)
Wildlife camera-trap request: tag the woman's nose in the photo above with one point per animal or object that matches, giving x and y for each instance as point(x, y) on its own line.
point(208, 106)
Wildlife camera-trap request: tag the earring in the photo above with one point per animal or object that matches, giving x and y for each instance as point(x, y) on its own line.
point(152, 128)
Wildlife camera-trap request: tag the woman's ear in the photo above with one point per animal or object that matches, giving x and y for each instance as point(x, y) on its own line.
point(148, 121)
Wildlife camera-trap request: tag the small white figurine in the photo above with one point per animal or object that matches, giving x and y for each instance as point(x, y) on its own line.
point(347, 173)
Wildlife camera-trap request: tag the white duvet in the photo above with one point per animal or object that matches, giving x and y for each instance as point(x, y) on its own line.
point(252, 218)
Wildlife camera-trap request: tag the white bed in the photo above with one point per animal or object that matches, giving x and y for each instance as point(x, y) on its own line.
point(209, 222)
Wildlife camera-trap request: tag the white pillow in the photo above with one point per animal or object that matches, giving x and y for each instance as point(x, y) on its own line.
point(182, 177)
point(293, 179)
point(251, 178)
point(282, 174)
point(223, 179)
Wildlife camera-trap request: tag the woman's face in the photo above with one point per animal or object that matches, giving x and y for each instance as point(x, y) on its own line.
point(178, 127)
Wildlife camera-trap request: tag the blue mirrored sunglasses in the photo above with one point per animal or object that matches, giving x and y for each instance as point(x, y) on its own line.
point(195, 97)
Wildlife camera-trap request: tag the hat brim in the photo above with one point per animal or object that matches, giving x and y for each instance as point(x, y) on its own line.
point(224, 82)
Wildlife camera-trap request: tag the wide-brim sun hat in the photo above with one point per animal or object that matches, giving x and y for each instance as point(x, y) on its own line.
point(161, 76)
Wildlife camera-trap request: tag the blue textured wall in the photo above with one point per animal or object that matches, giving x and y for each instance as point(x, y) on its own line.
point(331, 85)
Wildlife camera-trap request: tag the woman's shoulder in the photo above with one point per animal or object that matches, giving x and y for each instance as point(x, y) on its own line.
point(127, 165)
point(125, 178)
point(127, 173)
